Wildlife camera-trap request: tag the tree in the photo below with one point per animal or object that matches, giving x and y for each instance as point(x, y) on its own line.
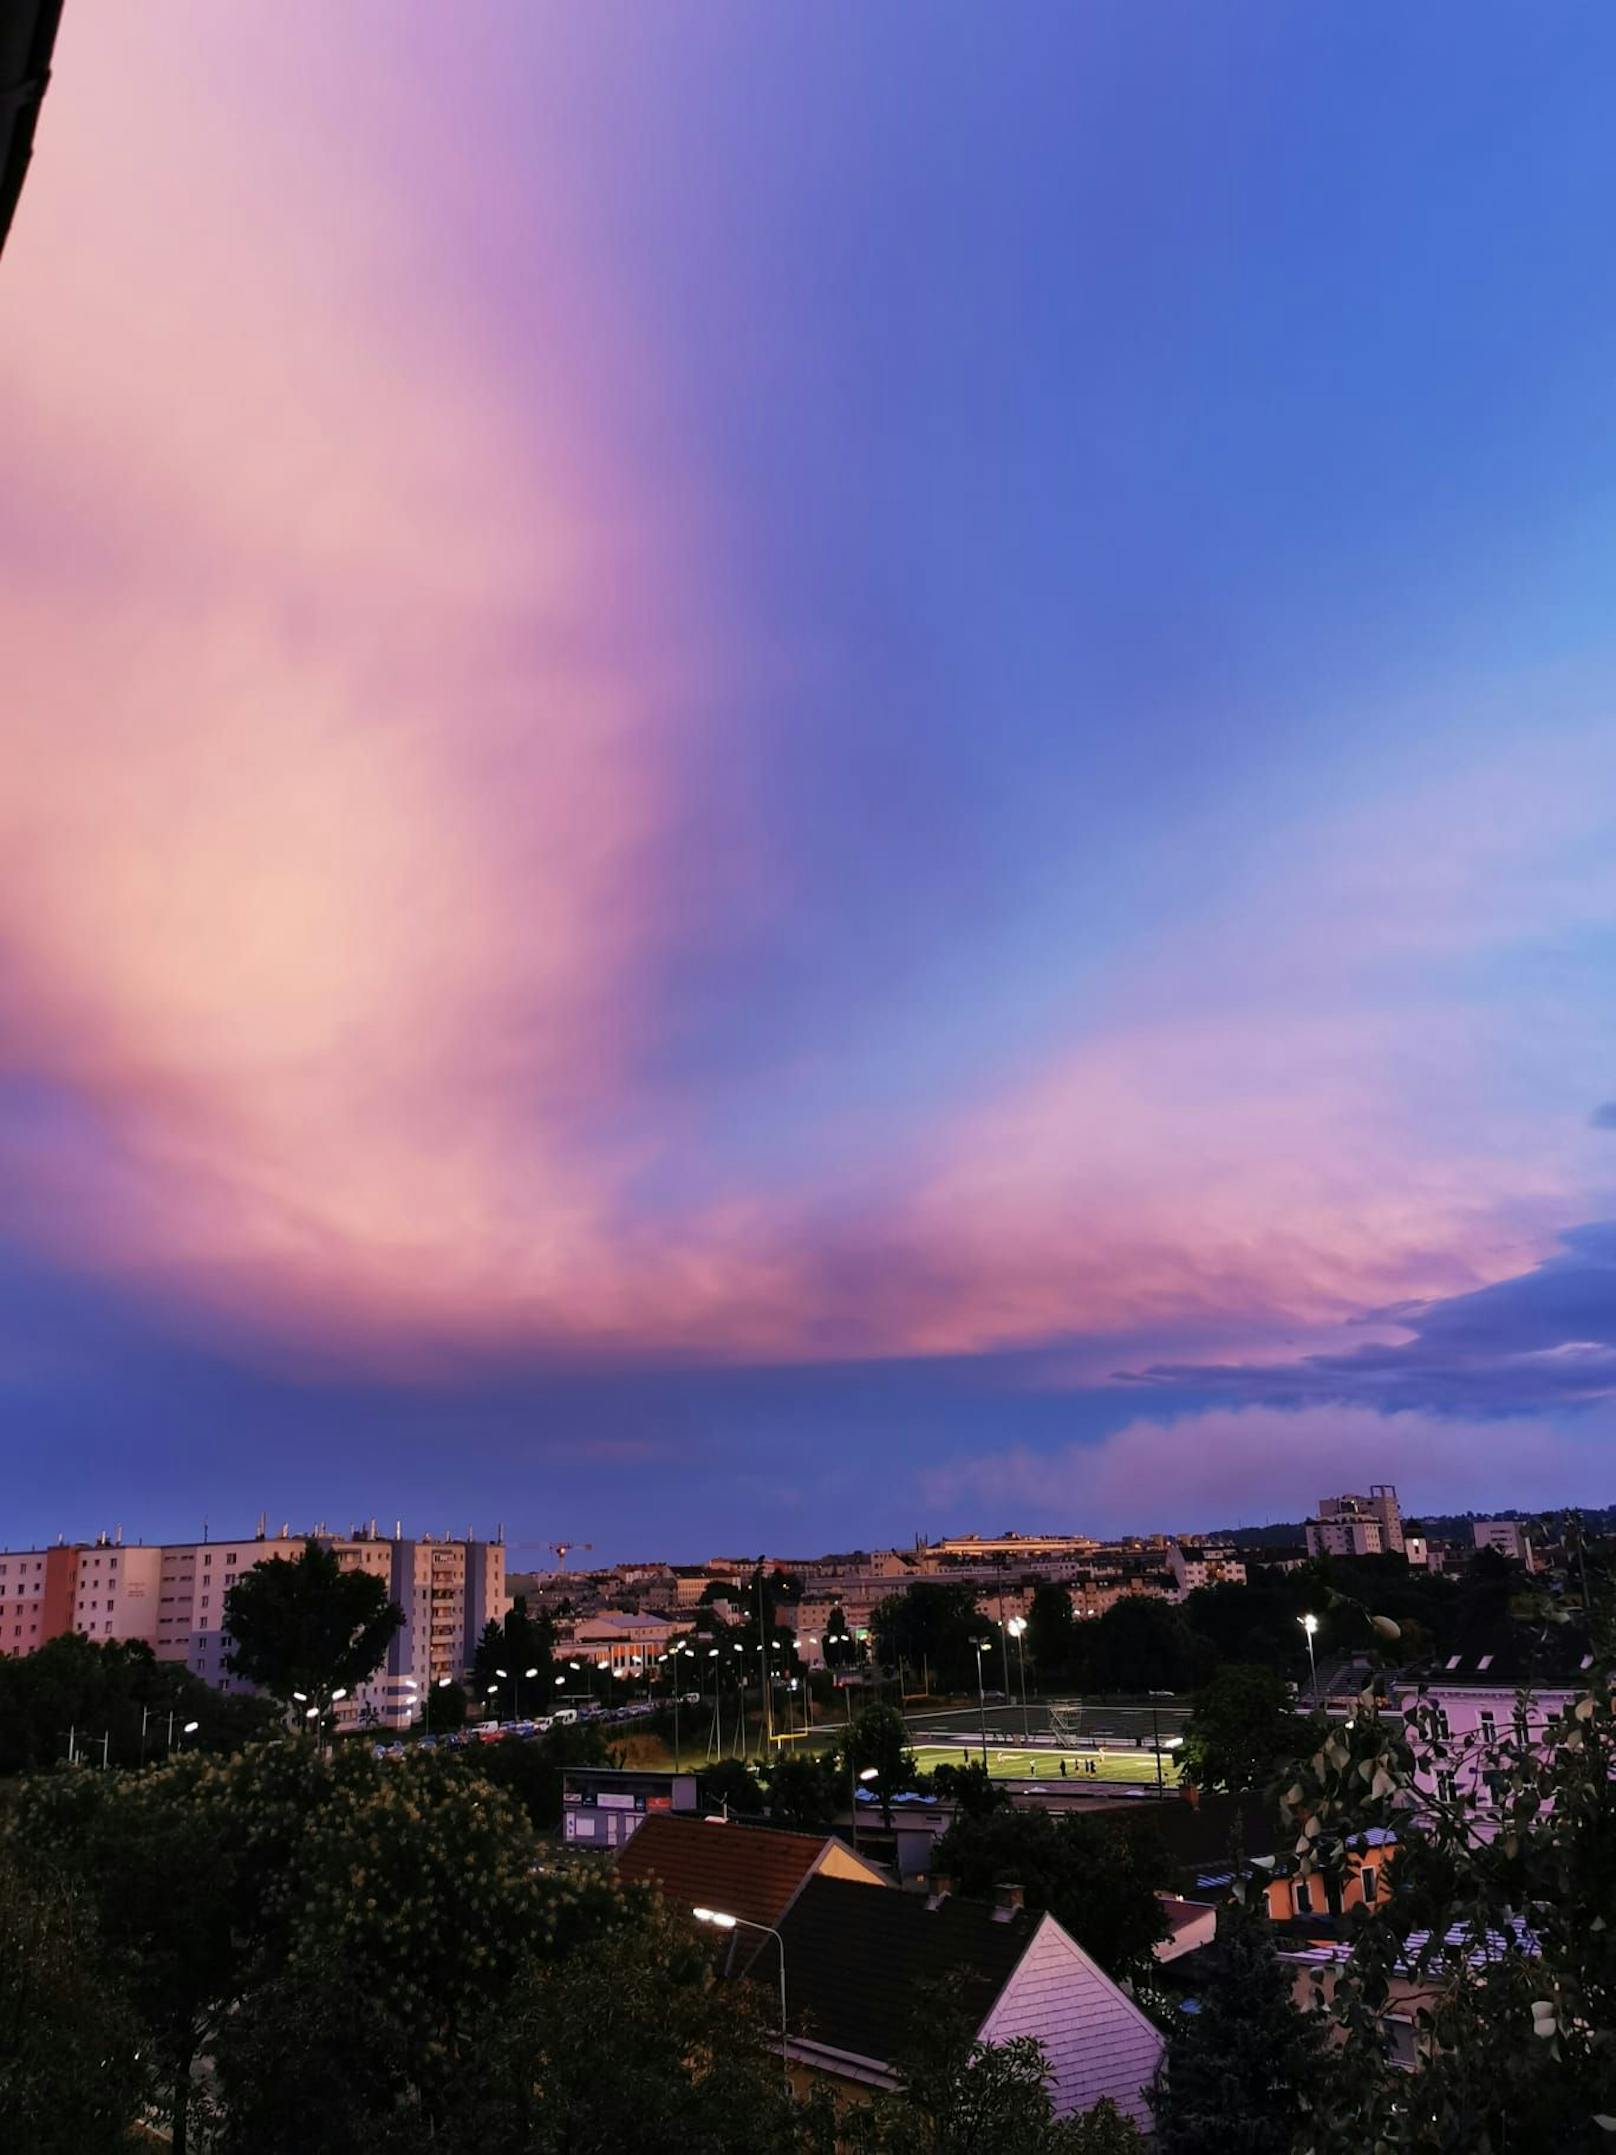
point(1141, 1643)
point(730, 1782)
point(878, 1742)
point(1243, 1729)
point(532, 1770)
point(806, 1790)
point(1096, 1877)
point(1241, 2072)
point(632, 2045)
point(119, 1699)
point(71, 2079)
point(305, 1624)
point(1103, 2131)
point(837, 1644)
point(970, 1788)
point(520, 1643)
point(931, 1625)
point(1498, 1941)
point(1051, 1639)
point(963, 2097)
point(445, 1709)
point(152, 1852)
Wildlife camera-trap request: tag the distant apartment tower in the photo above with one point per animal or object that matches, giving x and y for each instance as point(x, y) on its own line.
point(1507, 1537)
point(1357, 1525)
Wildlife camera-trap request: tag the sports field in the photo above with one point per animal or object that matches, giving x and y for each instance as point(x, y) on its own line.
point(1082, 1767)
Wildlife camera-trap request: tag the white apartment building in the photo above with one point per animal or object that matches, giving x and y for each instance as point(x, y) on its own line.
point(1194, 1564)
point(1507, 1537)
point(1369, 1525)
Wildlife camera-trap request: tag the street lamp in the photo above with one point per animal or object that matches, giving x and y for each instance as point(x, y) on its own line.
point(1018, 1631)
point(723, 1922)
point(676, 1647)
point(1310, 1625)
point(189, 1729)
point(866, 1774)
point(982, 1645)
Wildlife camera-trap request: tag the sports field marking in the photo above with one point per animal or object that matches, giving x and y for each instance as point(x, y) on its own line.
point(1045, 1765)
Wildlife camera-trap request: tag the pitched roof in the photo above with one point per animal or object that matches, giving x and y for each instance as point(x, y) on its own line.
point(748, 1871)
point(857, 1962)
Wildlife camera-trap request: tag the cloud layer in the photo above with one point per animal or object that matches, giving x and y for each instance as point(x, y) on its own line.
point(404, 868)
point(1243, 1466)
point(1541, 1339)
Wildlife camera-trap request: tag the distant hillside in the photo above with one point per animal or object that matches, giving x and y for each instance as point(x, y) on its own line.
point(1436, 1526)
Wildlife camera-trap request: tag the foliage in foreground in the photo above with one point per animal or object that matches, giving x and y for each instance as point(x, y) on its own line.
point(1097, 1879)
point(290, 1954)
point(1242, 2072)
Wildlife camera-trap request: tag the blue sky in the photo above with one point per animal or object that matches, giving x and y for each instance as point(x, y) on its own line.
point(777, 777)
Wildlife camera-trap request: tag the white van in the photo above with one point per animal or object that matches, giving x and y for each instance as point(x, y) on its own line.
point(565, 1716)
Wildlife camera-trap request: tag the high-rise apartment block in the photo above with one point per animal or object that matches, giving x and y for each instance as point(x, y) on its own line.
point(1357, 1526)
point(172, 1596)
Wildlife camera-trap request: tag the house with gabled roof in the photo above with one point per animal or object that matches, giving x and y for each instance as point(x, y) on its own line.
point(861, 1966)
point(752, 1873)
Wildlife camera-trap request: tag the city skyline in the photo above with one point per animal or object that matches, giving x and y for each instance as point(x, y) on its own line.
point(864, 782)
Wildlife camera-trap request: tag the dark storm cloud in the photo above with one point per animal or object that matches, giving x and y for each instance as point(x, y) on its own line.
point(1545, 1338)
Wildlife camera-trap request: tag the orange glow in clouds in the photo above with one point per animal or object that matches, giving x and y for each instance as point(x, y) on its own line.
point(336, 832)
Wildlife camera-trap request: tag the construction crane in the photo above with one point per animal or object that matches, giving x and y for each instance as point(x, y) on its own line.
point(558, 1549)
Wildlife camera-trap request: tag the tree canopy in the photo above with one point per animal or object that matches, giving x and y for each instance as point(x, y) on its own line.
point(1243, 1729)
point(1242, 2071)
point(306, 1624)
point(931, 1626)
point(122, 1703)
point(71, 2075)
point(1097, 1878)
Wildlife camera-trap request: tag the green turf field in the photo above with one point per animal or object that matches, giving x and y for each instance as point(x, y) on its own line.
point(1045, 1765)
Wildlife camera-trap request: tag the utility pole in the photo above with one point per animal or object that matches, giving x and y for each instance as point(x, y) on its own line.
point(764, 1686)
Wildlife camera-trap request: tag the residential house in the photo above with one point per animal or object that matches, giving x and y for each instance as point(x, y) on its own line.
point(861, 1966)
point(752, 1873)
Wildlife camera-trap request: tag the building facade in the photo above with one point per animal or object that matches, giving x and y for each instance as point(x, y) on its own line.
point(1505, 1537)
point(1369, 1525)
point(172, 1597)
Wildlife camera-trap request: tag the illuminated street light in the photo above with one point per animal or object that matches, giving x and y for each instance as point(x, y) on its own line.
point(723, 1922)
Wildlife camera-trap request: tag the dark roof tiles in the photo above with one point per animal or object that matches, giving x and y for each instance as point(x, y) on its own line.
point(859, 1964)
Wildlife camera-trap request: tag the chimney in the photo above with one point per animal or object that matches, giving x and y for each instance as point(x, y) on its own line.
point(1008, 1899)
point(942, 1885)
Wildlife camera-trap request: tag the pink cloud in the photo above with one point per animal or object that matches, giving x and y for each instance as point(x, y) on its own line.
point(1243, 1466)
point(350, 671)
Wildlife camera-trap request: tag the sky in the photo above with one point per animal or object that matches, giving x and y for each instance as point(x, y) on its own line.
point(776, 777)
